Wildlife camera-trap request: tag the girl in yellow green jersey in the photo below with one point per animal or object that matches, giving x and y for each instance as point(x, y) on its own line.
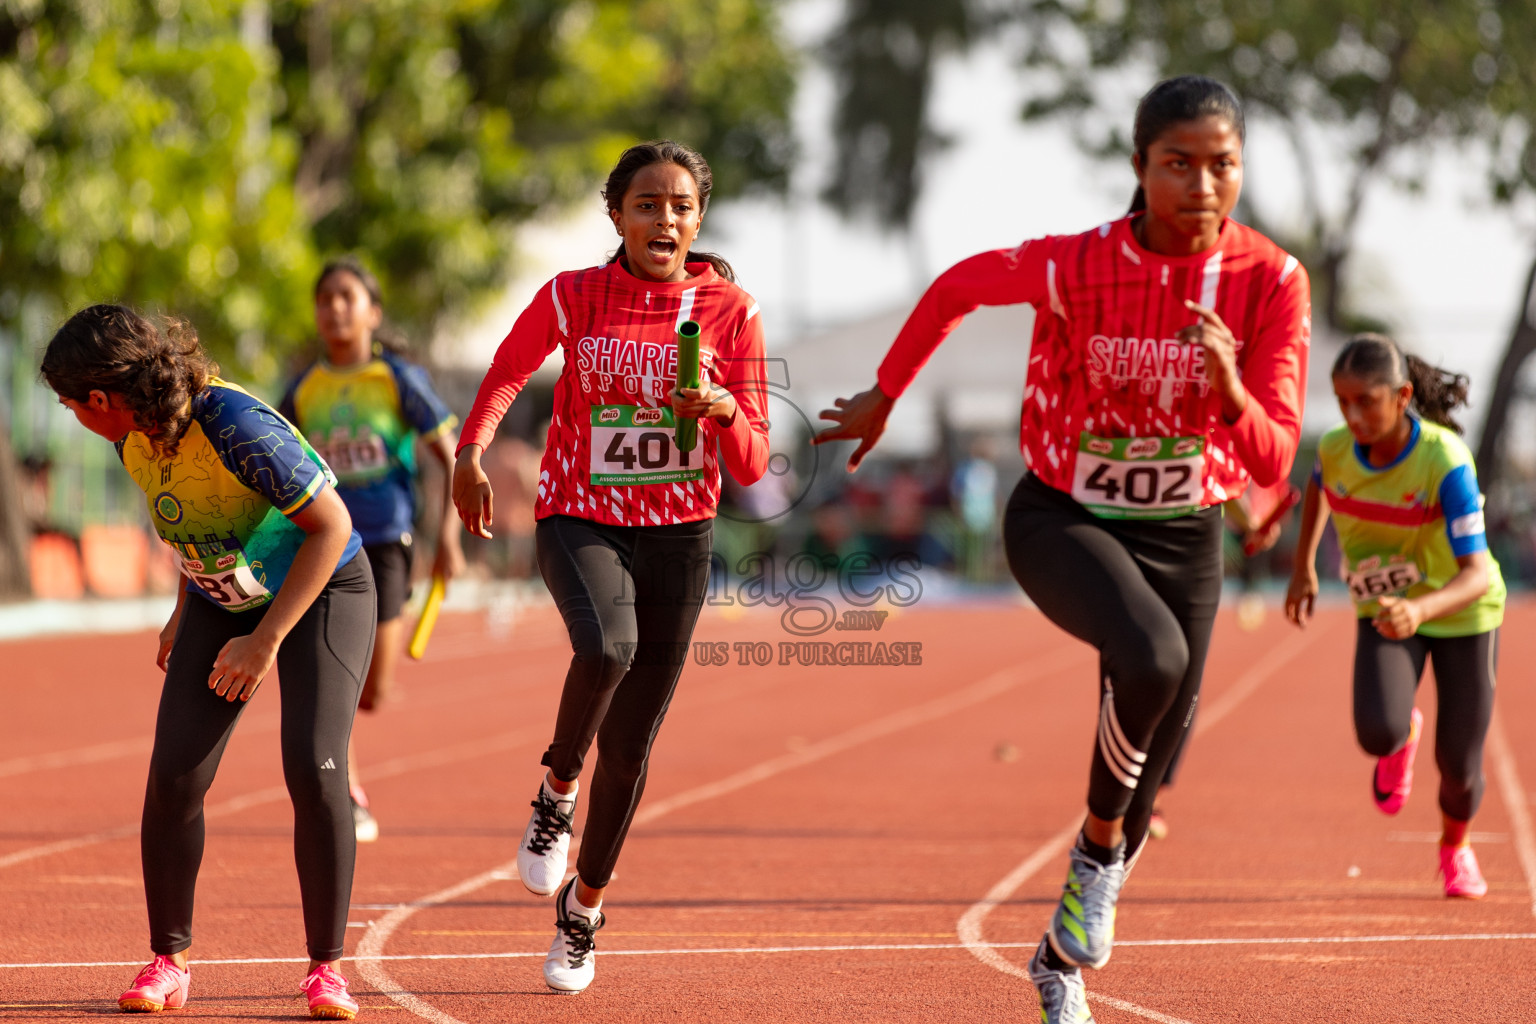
point(1403, 492)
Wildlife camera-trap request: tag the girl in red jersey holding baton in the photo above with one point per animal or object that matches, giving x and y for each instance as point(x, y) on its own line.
point(1165, 374)
point(624, 531)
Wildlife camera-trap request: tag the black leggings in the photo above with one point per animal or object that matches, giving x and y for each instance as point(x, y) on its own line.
point(630, 596)
point(321, 665)
point(1144, 593)
point(1387, 674)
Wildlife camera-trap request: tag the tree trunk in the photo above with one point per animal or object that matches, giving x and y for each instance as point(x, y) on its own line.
point(15, 573)
point(1522, 342)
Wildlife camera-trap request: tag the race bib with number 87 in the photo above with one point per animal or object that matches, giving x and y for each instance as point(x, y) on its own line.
point(633, 444)
point(227, 580)
point(1139, 477)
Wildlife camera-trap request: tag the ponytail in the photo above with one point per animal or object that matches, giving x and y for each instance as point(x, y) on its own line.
point(1138, 201)
point(1436, 392)
point(157, 366)
point(1376, 359)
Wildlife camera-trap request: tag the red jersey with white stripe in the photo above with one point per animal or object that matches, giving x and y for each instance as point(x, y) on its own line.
point(611, 456)
point(1106, 363)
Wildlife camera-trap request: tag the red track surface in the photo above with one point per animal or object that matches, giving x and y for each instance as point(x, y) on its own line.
point(788, 807)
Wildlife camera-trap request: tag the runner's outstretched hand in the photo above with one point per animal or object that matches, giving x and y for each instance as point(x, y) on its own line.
point(860, 418)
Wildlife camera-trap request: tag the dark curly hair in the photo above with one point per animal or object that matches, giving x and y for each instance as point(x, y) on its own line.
point(1376, 359)
point(156, 365)
point(663, 151)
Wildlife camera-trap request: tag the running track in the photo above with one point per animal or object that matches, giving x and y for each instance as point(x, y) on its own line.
point(817, 844)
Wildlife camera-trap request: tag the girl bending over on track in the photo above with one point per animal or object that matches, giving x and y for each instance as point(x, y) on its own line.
point(363, 406)
point(1166, 371)
point(272, 577)
point(1405, 502)
point(624, 515)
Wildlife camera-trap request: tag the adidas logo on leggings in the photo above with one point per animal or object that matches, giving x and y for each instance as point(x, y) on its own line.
point(1123, 759)
point(328, 764)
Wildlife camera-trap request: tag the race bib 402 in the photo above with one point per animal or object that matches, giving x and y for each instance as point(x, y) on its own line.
point(633, 444)
point(1139, 477)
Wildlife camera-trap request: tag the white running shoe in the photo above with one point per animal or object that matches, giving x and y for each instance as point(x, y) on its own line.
point(572, 961)
point(1063, 999)
point(546, 845)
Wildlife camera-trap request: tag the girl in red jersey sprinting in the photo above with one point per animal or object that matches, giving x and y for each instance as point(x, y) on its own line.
point(624, 531)
point(1165, 374)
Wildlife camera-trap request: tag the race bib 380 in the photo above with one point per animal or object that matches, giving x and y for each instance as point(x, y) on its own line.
point(1139, 477)
point(633, 444)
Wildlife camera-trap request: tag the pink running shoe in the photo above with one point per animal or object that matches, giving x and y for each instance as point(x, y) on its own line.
point(160, 985)
point(1463, 878)
point(327, 991)
point(1394, 773)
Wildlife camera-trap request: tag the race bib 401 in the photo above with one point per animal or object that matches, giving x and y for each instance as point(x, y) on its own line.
point(1139, 477)
point(633, 444)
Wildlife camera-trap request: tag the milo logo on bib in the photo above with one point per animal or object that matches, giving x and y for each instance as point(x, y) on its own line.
point(1139, 477)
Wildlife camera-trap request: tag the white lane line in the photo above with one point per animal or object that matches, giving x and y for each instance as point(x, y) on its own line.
point(971, 927)
point(1515, 800)
point(1001, 681)
point(383, 770)
point(878, 947)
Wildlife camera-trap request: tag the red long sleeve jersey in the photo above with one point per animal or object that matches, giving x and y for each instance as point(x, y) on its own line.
point(1106, 363)
point(611, 455)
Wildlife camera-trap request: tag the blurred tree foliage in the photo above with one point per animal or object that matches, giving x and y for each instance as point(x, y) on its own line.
point(882, 57)
point(1355, 85)
point(204, 156)
point(1363, 89)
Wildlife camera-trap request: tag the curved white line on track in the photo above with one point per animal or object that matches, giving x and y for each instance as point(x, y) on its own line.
point(971, 927)
point(882, 947)
point(1515, 800)
point(375, 939)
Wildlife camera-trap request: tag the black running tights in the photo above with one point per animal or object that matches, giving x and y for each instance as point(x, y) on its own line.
point(1144, 593)
point(321, 665)
point(630, 596)
point(1387, 674)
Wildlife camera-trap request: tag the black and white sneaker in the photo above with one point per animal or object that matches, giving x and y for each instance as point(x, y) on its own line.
point(546, 845)
point(572, 961)
point(1063, 999)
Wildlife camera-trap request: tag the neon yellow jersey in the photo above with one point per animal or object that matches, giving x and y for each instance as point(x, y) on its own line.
point(364, 421)
point(223, 501)
point(1402, 526)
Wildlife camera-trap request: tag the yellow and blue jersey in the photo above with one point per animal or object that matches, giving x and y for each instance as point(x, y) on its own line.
point(1402, 526)
point(225, 499)
point(364, 420)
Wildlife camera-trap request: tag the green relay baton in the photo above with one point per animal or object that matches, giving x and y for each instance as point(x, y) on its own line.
point(686, 433)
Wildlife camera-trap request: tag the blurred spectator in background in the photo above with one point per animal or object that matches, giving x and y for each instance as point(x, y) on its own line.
point(973, 493)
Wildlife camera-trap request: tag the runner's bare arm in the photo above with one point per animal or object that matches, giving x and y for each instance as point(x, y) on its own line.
point(1302, 592)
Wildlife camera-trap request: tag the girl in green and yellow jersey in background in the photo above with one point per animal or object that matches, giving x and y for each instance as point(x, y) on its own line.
point(363, 406)
point(1403, 492)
